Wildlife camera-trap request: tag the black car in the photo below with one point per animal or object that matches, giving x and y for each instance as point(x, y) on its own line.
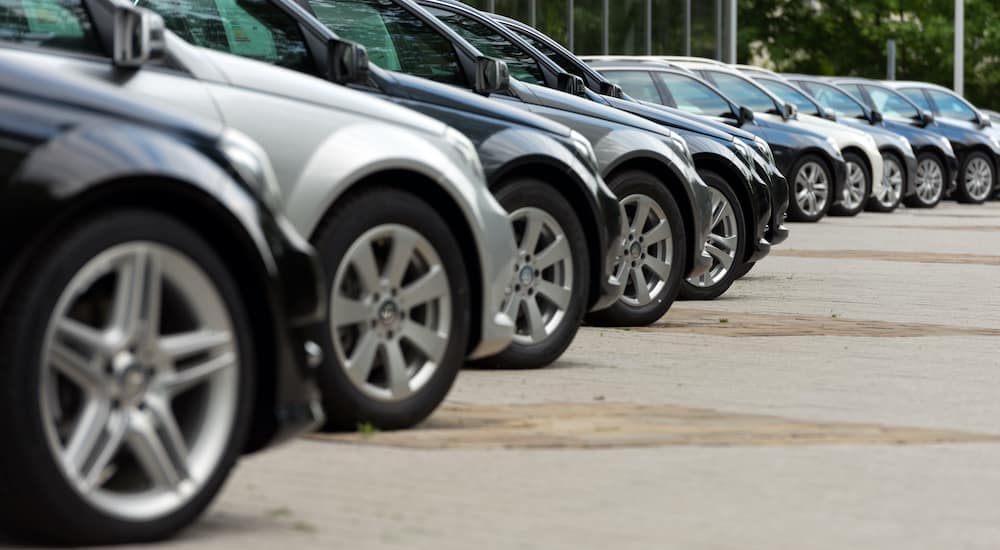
point(649, 167)
point(967, 143)
point(795, 149)
point(931, 150)
point(159, 317)
point(740, 194)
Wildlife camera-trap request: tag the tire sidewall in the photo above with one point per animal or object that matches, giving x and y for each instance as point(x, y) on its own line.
point(692, 292)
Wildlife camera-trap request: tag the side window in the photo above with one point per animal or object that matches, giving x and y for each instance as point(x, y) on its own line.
point(834, 99)
point(743, 92)
point(62, 24)
point(918, 97)
point(890, 103)
point(791, 95)
point(522, 66)
point(248, 28)
point(559, 59)
point(952, 107)
point(396, 39)
point(637, 84)
point(693, 96)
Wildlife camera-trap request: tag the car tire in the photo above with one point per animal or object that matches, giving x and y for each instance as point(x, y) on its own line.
point(857, 187)
point(811, 185)
point(745, 269)
point(930, 180)
point(553, 298)
point(730, 223)
point(976, 179)
point(893, 184)
point(58, 321)
point(399, 323)
point(664, 242)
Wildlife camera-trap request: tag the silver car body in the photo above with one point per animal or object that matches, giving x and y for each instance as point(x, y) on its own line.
point(323, 140)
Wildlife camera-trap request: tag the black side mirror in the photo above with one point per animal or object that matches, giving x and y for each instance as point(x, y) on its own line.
point(571, 84)
point(492, 75)
point(138, 37)
point(876, 117)
point(348, 62)
point(926, 118)
point(611, 89)
point(745, 116)
point(789, 111)
point(829, 114)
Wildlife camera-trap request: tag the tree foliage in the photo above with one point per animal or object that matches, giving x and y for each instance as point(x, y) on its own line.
point(836, 37)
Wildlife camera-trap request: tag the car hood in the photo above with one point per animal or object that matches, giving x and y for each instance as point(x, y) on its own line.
point(424, 90)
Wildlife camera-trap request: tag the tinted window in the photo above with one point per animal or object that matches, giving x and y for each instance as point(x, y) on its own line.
point(950, 106)
point(832, 98)
point(395, 38)
point(854, 90)
point(637, 84)
point(522, 66)
point(918, 97)
point(60, 24)
point(564, 62)
point(891, 103)
point(693, 96)
point(743, 92)
point(248, 28)
point(789, 94)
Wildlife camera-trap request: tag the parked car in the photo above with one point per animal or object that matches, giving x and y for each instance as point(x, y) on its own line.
point(808, 159)
point(895, 150)
point(903, 181)
point(978, 173)
point(898, 108)
point(160, 316)
point(417, 281)
point(741, 198)
point(649, 167)
point(860, 150)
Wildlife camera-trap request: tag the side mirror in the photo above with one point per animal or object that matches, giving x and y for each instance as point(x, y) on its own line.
point(746, 115)
point(348, 62)
point(829, 114)
point(876, 117)
point(983, 119)
point(789, 111)
point(926, 118)
point(611, 89)
point(138, 37)
point(571, 84)
point(492, 75)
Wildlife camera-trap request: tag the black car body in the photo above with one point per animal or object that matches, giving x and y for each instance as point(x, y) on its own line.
point(713, 149)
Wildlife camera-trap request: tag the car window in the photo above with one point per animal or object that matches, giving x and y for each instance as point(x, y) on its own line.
point(917, 96)
point(950, 106)
point(62, 24)
point(564, 62)
point(891, 103)
point(832, 98)
point(395, 38)
point(637, 84)
point(743, 92)
point(854, 90)
point(247, 28)
point(789, 94)
point(693, 96)
point(522, 66)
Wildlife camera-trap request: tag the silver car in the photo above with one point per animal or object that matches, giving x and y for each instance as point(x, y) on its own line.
point(417, 252)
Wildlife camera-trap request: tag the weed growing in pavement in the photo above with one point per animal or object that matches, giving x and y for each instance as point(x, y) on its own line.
point(367, 428)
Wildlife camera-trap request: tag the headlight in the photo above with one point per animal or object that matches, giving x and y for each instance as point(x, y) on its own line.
point(584, 151)
point(764, 149)
point(466, 151)
point(253, 166)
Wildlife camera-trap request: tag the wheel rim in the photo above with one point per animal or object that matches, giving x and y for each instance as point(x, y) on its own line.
point(930, 181)
point(857, 185)
point(139, 381)
point(646, 257)
point(722, 241)
point(978, 179)
point(542, 286)
point(812, 187)
point(892, 188)
point(390, 312)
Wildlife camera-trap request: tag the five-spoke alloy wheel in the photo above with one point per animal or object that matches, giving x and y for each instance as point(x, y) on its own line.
point(812, 186)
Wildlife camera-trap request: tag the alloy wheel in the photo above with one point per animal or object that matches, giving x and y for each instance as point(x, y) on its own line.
point(930, 181)
point(541, 288)
point(722, 241)
point(647, 251)
point(855, 187)
point(978, 179)
point(812, 188)
point(390, 312)
point(892, 183)
point(139, 381)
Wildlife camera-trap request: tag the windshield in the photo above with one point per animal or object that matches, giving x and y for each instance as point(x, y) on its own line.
point(695, 97)
point(789, 94)
point(830, 97)
point(891, 103)
point(744, 92)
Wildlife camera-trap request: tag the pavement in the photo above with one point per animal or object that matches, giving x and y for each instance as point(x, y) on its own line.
point(843, 395)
